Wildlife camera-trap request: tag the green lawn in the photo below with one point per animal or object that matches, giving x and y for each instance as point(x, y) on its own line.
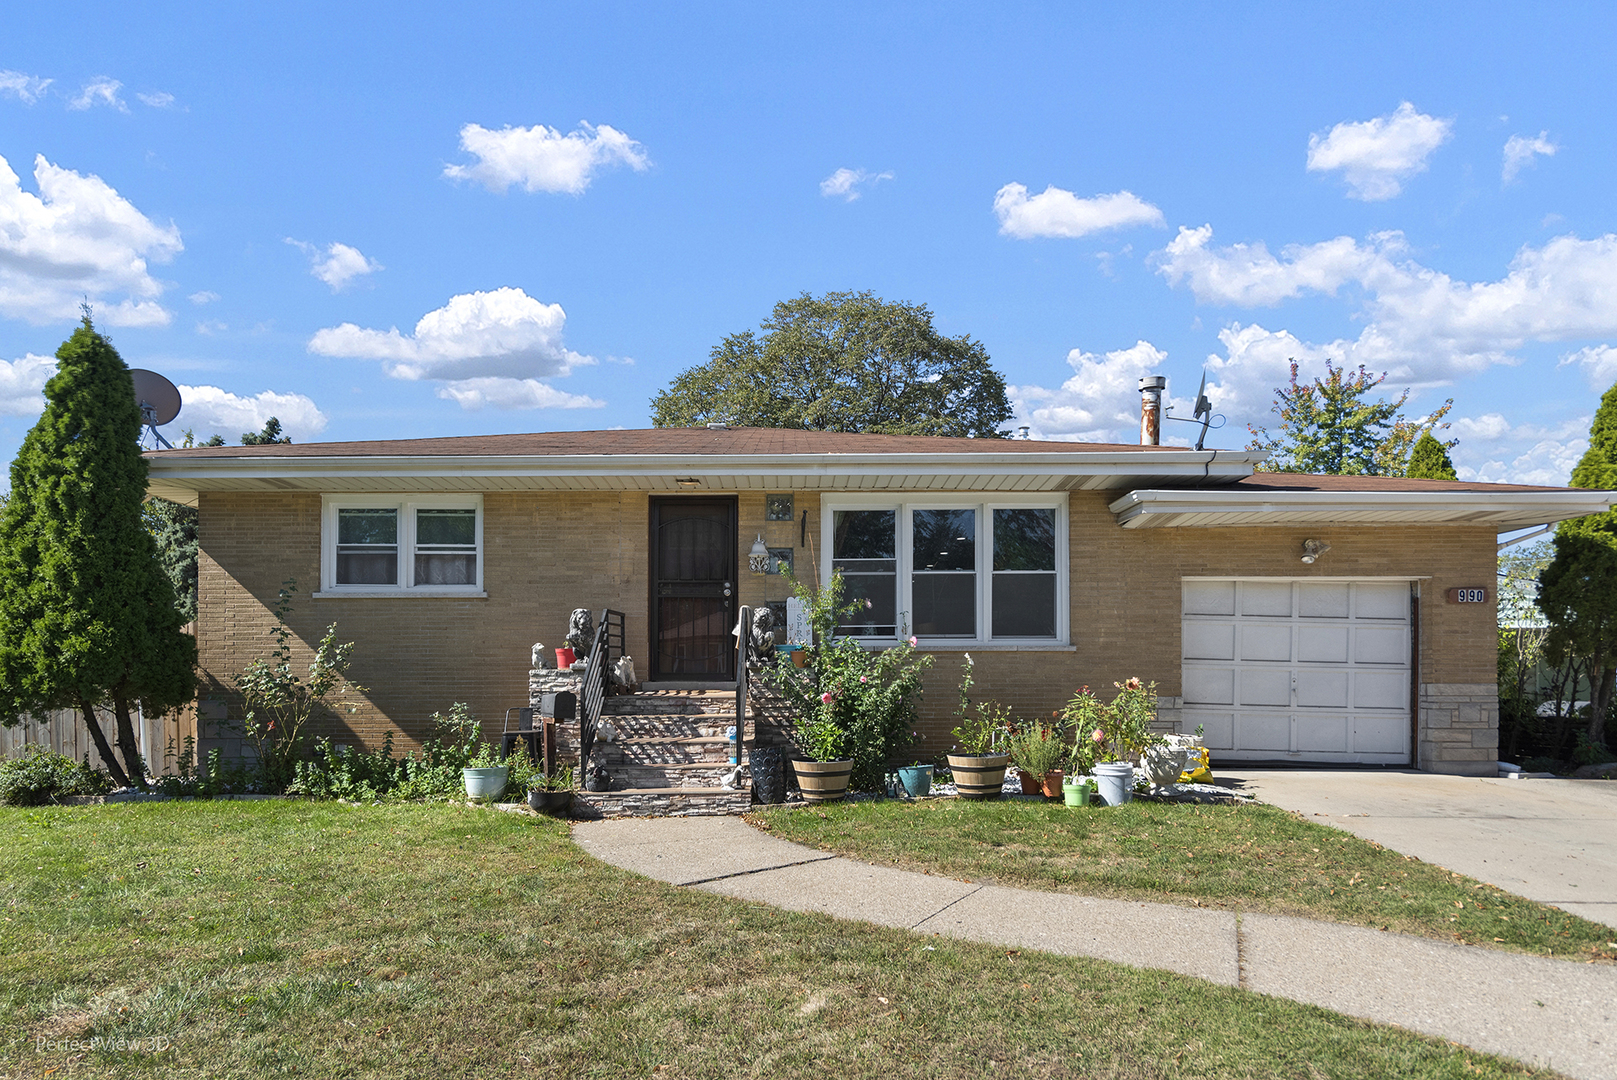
point(1241, 858)
point(322, 940)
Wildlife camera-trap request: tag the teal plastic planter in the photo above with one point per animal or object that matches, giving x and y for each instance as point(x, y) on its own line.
point(917, 780)
point(485, 785)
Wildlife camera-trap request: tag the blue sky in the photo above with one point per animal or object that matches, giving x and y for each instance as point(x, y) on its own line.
point(377, 222)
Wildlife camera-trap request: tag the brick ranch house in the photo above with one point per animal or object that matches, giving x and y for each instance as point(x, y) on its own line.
point(1055, 565)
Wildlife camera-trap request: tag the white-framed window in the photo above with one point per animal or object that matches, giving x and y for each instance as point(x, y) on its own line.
point(399, 545)
point(951, 570)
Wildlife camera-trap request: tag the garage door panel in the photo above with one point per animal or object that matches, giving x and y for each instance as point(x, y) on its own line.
point(1324, 600)
point(1261, 641)
point(1381, 645)
point(1257, 730)
point(1381, 690)
point(1218, 728)
point(1324, 688)
point(1209, 598)
point(1209, 641)
point(1381, 600)
point(1327, 734)
point(1266, 598)
point(1380, 733)
point(1322, 644)
point(1209, 686)
point(1263, 686)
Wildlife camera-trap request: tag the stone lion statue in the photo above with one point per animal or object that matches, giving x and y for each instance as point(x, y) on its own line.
point(580, 632)
point(760, 636)
point(538, 660)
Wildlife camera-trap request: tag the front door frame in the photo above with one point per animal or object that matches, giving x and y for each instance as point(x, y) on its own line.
point(652, 612)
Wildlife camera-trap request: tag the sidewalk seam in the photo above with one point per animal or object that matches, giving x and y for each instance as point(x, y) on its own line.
point(1240, 953)
point(760, 870)
point(949, 905)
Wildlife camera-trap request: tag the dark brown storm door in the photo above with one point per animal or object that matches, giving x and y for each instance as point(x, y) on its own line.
point(693, 583)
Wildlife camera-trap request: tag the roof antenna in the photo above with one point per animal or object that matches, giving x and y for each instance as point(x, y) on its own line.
point(1203, 414)
point(159, 402)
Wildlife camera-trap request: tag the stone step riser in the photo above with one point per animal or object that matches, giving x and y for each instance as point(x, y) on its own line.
point(653, 705)
point(652, 776)
point(673, 803)
point(658, 753)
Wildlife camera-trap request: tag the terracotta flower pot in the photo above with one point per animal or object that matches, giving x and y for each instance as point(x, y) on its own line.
point(1052, 784)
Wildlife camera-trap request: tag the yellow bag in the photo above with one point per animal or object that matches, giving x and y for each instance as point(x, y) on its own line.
point(1198, 768)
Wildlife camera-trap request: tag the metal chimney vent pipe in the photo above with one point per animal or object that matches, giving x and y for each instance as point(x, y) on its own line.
point(1151, 388)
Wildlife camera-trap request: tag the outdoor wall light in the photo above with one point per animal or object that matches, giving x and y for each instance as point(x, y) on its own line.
point(688, 481)
point(1313, 549)
point(758, 557)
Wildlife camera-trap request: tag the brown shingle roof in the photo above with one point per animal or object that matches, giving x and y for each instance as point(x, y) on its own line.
point(1279, 481)
point(672, 441)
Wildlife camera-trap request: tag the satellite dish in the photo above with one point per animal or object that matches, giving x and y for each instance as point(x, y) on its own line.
point(1203, 413)
point(159, 401)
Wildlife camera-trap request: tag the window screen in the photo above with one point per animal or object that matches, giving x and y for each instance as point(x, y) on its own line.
point(368, 547)
point(1024, 582)
point(865, 549)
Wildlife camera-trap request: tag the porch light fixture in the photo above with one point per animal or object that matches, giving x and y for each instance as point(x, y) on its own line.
point(1313, 549)
point(688, 481)
point(758, 557)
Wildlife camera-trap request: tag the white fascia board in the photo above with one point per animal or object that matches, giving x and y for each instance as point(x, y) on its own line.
point(306, 472)
point(1513, 509)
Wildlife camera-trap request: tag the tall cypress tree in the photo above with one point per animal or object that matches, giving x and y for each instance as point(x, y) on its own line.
point(1430, 460)
point(1578, 590)
point(87, 615)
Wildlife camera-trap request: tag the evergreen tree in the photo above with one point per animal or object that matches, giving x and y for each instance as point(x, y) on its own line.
point(1329, 426)
point(86, 614)
point(270, 434)
point(843, 362)
point(1429, 460)
point(1578, 590)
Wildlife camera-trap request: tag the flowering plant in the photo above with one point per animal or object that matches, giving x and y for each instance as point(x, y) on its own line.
point(1038, 749)
point(851, 701)
point(1115, 731)
point(982, 727)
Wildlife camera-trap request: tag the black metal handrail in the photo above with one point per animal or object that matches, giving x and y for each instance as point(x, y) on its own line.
point(743, 655)
point(598, 680)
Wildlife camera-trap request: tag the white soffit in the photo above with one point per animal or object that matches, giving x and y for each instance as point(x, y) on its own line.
point(181, 478)
point(1502, 510)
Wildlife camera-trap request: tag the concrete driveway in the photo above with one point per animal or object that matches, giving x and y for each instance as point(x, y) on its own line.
point(1554, 841)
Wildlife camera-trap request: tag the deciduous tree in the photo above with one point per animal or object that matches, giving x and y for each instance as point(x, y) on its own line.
point(1429, 460)
point(843, 362)
point(86, 614)
point(1331, 425)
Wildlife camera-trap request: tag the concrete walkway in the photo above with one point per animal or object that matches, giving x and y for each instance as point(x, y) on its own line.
point(1554, 841)
point(1546, 1012)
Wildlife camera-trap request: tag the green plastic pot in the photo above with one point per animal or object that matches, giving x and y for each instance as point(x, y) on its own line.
point(917, 779)
point(1075, 792)
point(485, 785)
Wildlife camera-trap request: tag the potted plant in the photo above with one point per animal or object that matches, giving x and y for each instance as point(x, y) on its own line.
point(1084, 714)
point(916, 778)
point(1039, 751)
point(554, 793)
point(484, 776)
point(1121, 733)
point(979, 767)
point(824, 775)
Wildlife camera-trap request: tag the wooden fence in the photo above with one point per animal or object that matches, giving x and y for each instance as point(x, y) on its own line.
point(64, 732)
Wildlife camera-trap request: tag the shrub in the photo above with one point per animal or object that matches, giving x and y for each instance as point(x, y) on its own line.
point(41, 776)
point(1039, 749)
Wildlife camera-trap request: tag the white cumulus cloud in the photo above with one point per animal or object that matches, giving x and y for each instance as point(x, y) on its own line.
point(502, 393)
point(338, 265)
point(1099, 403)
point(25, 88)
point(1494, 450)
point(1520, 152)
point(204, 296)
point(847, 184)
point(540, 158)
point(78, 237)
point(22, 383)
point(209, 410)
point(100, 91)
point(481, 344)
point(1059, 213)
point(157, 99)
point(1599, 363)
point(1377, 156)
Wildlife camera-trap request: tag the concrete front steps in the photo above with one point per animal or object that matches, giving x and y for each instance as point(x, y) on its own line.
point(669, 756)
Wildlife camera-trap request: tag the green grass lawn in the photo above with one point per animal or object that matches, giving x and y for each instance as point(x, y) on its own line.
point(1241, 858)
point(317, 939)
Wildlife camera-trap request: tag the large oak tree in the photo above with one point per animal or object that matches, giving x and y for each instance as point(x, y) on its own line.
point(845, 361)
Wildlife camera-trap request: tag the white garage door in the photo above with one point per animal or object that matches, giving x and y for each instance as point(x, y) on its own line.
point(1298, 670)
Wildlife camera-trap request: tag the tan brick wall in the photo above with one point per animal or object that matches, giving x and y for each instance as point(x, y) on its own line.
point(546, 553)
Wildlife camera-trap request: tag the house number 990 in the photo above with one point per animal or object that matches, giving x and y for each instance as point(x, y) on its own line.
point(1468, 596)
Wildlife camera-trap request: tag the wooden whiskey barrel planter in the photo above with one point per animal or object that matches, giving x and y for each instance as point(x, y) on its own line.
point(823, 781)
point(979, 777)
